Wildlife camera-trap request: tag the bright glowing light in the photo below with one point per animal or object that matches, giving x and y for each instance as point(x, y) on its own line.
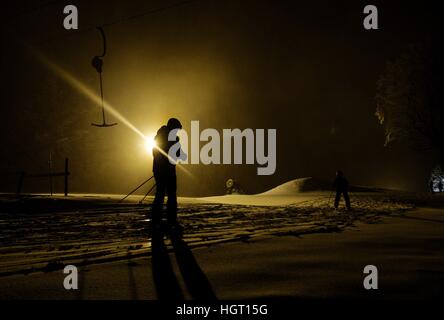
point(82, 88)
point(149, 144)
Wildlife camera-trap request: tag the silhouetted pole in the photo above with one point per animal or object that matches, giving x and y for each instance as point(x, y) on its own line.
point(146, 195)
point(20, 182)
point(66, 177)
point(132, 191)
point(329, 198)
point(50, 172)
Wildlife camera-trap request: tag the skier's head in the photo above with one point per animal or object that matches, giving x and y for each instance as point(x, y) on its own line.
point(339, 173)
point(173, 123)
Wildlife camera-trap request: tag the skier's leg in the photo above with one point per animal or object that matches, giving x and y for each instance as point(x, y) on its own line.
point(157, 205)
point(347, 200)
point(171, 188)
point(337, 198)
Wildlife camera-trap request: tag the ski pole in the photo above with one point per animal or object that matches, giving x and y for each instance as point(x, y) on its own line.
point(149, 191)
point(329, 198)
point(136, 189)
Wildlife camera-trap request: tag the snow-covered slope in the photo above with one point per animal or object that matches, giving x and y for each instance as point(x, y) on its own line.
point(291, 192)
point(296, 186)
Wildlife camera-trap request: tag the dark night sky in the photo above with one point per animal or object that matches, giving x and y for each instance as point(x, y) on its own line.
point(302, 68)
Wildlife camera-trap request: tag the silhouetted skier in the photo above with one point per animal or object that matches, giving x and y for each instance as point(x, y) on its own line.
point(341, 186)
point(165, 176)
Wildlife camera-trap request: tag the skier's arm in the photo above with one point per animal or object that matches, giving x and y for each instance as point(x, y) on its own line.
point(181, 155)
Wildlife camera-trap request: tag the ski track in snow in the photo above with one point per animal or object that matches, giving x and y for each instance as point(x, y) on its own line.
point(45, 242)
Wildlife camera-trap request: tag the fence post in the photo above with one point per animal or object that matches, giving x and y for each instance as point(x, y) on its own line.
point(20, 182)
point(50, 173)
point(66, 177)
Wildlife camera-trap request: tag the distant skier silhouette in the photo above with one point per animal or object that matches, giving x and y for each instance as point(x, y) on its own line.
point(165, 176)
point(340, 184)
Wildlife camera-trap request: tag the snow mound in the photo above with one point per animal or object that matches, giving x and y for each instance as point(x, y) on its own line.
point(310, 184)
point(299, 185)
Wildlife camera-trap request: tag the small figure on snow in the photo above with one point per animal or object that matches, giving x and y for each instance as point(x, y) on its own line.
point(232, 187)
point(340, 184)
